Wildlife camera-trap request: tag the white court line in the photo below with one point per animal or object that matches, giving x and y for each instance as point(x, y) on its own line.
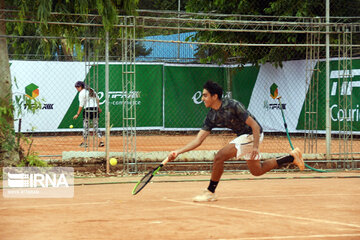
point(265, 213)
point(56, 205)
point(296, 195)
point(297, 237)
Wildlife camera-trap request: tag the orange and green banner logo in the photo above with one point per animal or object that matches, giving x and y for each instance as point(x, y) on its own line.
point(32, 91)
point(274, 91)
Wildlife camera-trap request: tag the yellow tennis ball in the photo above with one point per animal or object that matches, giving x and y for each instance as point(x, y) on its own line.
point(71, 126)
point(113, 161)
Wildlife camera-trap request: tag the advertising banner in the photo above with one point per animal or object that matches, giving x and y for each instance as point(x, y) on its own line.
point(50, 82)
point(148, 97)
point(289, 82)
point(168, 96)
point(183, 91)
point(344, 98)
point(53, 84)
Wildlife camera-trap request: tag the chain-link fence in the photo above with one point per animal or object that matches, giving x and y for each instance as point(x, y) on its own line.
point(152, 69)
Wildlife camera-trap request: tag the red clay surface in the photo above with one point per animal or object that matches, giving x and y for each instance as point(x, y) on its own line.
point(301, 206)
point(55, 145)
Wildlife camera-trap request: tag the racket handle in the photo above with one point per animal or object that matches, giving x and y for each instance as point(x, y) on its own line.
point(165, 161)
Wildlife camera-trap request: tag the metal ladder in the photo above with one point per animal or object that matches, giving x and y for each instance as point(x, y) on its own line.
point(130, 94)
point(312, 81)
point(344, 85)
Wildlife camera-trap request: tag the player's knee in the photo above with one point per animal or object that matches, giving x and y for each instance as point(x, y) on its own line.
point(219, 158)
point(256, 172)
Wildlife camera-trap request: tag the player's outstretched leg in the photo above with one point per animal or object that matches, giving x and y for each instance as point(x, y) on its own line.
point(298, 159)
point(295, 157)
point(208, 195)
point(205, 196)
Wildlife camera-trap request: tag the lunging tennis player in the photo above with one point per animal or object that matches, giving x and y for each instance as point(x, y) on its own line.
point(229, 113)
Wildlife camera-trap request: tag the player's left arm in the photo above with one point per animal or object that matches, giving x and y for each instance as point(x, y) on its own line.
point(256, 134)
point(78, 113)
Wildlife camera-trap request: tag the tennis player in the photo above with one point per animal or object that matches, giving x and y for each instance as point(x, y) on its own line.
point(89, 101)
point(229, 113)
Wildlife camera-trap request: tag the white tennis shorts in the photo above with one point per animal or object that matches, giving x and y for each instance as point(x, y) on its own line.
point(244, 145)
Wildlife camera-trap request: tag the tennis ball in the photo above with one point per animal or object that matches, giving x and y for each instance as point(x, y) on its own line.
point(113, 161)
point(71, 126)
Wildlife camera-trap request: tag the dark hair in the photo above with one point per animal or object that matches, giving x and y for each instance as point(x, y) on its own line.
point(83, 85)
point(214, 88)
point(80, 84)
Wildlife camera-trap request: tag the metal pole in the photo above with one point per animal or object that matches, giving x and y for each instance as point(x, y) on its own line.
point(178, 53)
point(107, 113)
point(328, 119)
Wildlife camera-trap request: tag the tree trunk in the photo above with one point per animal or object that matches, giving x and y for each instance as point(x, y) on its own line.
point(8, 149)
point(68, 51)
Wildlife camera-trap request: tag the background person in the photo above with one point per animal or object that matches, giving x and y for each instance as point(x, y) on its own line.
point(89, 101)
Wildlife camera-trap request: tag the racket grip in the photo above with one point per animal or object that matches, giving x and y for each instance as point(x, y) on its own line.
point(165, 161)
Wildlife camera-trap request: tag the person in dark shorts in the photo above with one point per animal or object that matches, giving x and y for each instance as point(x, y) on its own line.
point(89, 101)
point(229, 113)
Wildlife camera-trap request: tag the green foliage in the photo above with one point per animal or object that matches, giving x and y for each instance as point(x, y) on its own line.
point(7, 132)
point(71, 47)
point(9, 139)
point(32, 160)
point(254, 54)
point(169, 5)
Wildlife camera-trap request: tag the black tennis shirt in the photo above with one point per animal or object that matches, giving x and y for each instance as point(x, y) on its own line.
point(232, 114)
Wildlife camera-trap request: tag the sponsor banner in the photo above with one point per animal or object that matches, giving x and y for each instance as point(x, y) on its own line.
point(243, 82)
point(289, 83)
point(50, 82)
point(53, 83)
point(183, 90)
point(184, 108)
point(38, 182)
point(147, 97)
point(344, 98)
point(168, 96)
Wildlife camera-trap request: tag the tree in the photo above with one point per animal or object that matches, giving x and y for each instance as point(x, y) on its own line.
point(69, 48)
point(170, 5)
point(7, 138)
point(255, 55)
point(41, 9)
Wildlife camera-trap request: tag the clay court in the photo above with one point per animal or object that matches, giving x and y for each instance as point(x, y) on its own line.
point(54, 146)
point(305, 205)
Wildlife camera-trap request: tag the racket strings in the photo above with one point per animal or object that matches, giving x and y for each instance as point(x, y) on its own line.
point(143, 182)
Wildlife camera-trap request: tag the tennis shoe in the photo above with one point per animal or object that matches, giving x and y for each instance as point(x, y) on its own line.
point(205, 196)
point(298, 159)
point(83, 144)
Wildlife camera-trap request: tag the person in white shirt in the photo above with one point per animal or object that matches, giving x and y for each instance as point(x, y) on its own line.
point(89, 101)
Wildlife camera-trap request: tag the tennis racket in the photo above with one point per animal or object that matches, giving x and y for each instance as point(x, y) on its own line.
point(146, 179)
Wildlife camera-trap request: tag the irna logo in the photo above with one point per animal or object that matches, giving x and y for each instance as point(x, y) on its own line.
point(34, 182)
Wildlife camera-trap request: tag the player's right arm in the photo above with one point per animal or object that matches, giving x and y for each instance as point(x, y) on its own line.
point(197, 141)
point(98, 104)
